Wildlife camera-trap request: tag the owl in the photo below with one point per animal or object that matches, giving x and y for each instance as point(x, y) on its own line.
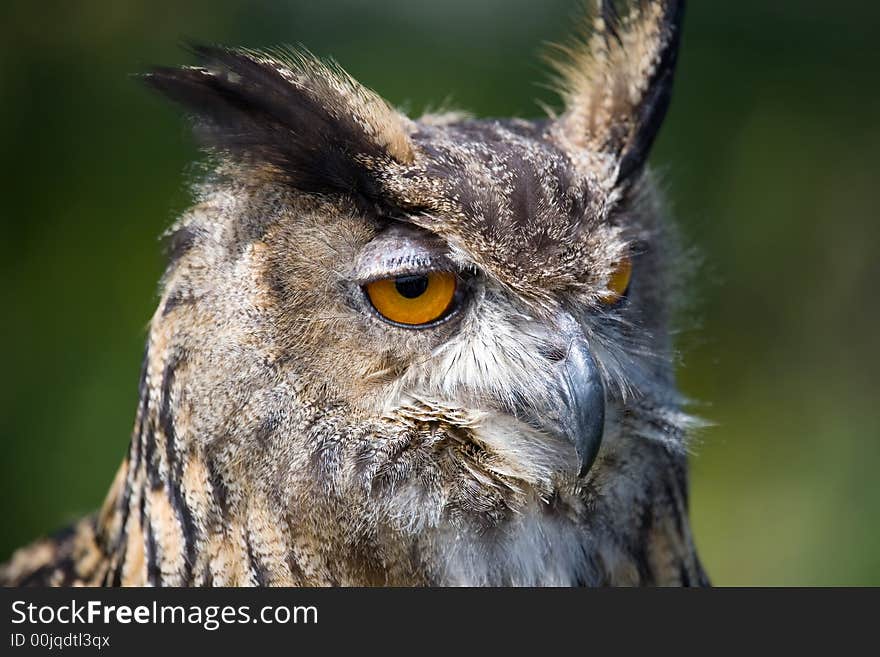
point(398, 352)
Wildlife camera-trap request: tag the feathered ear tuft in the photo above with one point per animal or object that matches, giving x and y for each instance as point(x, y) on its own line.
point(308, 120)
point(617, 82)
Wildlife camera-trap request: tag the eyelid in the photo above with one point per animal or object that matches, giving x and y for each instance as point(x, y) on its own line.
point(400, 253)
point(391, 268)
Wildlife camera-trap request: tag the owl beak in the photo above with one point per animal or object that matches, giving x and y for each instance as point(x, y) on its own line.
point(581, 412)
point(574, 409)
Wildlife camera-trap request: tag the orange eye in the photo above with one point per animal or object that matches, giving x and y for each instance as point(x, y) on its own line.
point(413, 300)
point(618, 282)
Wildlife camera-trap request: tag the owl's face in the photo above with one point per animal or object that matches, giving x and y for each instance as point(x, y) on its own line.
point(533, 322)
point(461, 313)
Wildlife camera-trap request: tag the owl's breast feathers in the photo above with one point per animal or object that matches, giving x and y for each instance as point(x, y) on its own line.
point(598, 535)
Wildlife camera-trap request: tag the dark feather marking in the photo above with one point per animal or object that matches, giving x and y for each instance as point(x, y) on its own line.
point(96, 565)
point(189, 530)
point(684, 576)
point(40, 577)
point(299, 575)
point(148, 442)
point(639, 546)
point(527, 192)
point(48, 575)
point(653, 107)
point(296, 571)
point(137, 445)
point(218, 487)
point(248, 109)
point(166, 417)
point(611, 18)
point(260, 572)
point(693, 573)
point(142, 377)
point(114, 576)
point(175, 299)
point(515, 227)
point(63, 536)
point(675, 507)
point(179, 243)
point(207, 577)
point(122, 505)
point(153, 572)
point(267, 428)
point(589, 575)
point(151, 459)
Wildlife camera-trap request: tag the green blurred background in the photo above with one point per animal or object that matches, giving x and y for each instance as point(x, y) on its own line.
point(769, 155)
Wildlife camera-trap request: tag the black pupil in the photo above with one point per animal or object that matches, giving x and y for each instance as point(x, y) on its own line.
point(411, 286)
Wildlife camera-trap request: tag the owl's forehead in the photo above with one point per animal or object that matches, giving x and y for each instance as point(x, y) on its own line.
point(503, 171)
point(506, 195)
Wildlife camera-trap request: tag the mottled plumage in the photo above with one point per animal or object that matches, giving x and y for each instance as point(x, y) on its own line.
point(288, 435)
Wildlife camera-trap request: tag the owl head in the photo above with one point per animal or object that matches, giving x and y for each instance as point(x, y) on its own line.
point(371, 323)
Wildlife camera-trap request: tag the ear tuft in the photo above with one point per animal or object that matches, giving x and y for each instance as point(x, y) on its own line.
point(309, 120)
point(617, 82)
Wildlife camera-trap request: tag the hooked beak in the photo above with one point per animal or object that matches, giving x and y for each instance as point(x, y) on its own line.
point(581, 415)
point(574, 408)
